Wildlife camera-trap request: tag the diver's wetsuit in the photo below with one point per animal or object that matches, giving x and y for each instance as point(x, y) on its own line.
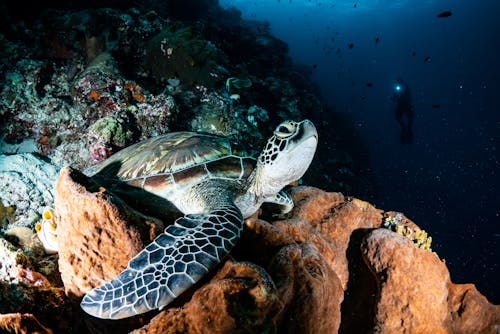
point(403, 111)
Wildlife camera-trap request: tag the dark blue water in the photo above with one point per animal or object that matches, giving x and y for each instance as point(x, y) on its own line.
point(447, 178)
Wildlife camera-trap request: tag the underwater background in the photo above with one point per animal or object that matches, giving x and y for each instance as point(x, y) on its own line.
point(404, 95)
point(446, 177)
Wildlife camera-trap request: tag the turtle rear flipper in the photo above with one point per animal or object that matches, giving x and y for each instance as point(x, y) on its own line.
point(173, 262)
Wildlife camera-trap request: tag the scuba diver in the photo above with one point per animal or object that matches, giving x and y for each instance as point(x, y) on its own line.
point(403, 110)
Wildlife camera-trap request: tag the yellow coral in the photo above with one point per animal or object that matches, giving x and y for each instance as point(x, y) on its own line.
point(419, 237)
point(399, 229)
point(407, 232)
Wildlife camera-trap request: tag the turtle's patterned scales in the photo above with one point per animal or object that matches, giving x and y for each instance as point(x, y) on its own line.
point(136, 160)
point(193, 173)
point(175, 260)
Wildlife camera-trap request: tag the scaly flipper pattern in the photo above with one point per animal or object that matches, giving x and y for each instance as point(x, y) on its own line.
point(173, 262)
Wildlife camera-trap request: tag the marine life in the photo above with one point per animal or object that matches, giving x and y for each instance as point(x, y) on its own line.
point(237, 83)
point(234, 97)
point(46, 231)
point(397, 224)
point(198, 175)
point(444, 14)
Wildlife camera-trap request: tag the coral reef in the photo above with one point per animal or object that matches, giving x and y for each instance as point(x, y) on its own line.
point(329, 266)
point(80, 84)
point(51, 106)
point(27, 187)
point(179, 52)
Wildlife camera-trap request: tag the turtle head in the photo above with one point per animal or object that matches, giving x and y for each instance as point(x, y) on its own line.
point(286, 156)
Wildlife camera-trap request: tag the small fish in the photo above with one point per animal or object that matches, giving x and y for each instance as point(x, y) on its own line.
point(427, 59)
point(436, 106)
point(377, 39)
point(351, 45)
point(413, 53)
point(355, 5)
point(444, 14)
point(369, 84)
point(315, 66)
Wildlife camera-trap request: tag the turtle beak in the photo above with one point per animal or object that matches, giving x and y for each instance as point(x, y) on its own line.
point(306, 131)
point(302, 147)
point(306, 138)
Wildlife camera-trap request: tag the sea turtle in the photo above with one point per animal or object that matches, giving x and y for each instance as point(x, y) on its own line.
point(215, 190)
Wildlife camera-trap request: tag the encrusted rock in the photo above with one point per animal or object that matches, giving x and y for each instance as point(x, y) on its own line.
point(97, 232)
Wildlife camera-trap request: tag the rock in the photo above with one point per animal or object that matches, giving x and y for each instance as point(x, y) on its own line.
point(97, 233)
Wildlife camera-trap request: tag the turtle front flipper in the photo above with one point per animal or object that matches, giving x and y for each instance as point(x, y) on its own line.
point(173, 262)
point(283, 200)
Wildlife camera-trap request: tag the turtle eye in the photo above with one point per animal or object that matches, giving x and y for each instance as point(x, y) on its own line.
point(285, 129)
